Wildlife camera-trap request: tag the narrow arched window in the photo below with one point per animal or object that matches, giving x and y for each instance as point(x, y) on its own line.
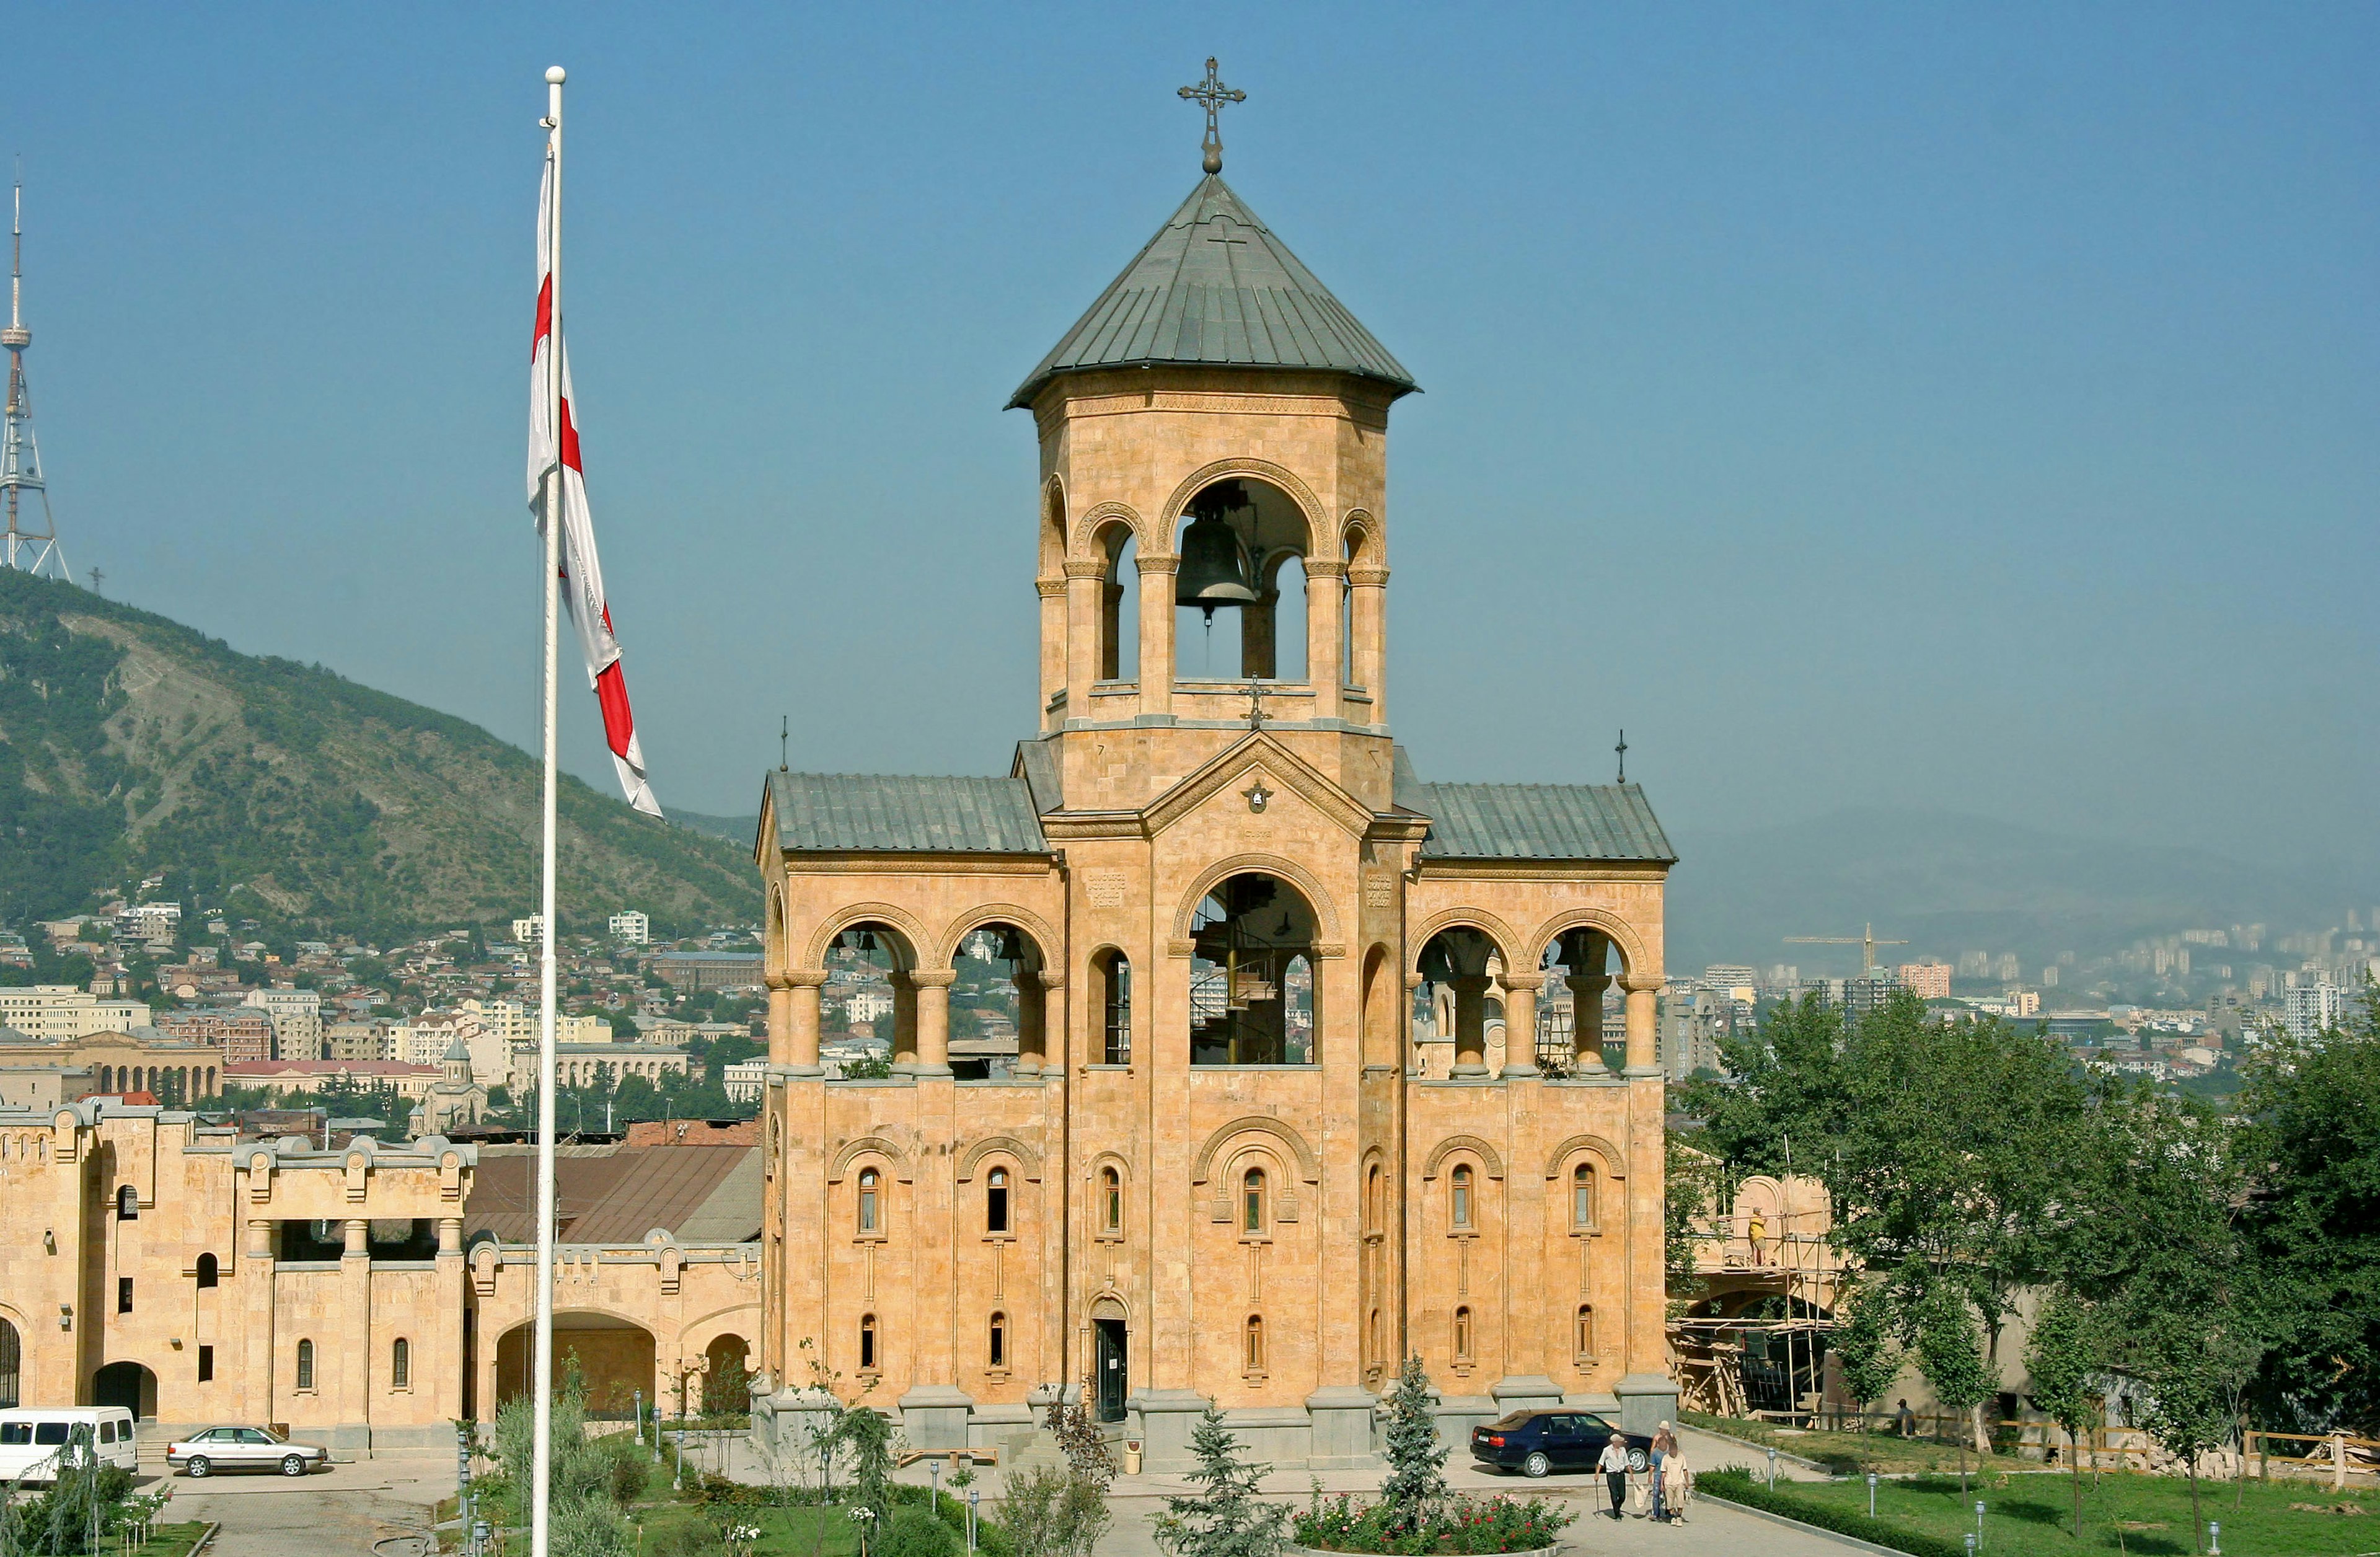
point(127, 1203)
point(1252, 1201)
point(868, 1342)
point(995, 1201)
point(1256, 1344)
point(996, 1354)
point(870, 1221)
point(1586, 1336)
point(210, 1272)
point(304, 1365)
point(1110, 1200)
point(1372, 1198)
point(1582, 1196)
point(400, 1365)
point(1462, 1334)
point(1115, 978)
point(1459, 1196)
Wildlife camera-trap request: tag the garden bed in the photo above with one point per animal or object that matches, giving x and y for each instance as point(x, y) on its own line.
point(2031, 1516)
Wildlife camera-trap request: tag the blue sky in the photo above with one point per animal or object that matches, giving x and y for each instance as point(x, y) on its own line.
point(1967, 409)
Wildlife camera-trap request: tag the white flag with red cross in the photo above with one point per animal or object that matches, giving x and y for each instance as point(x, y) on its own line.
point(582, 574)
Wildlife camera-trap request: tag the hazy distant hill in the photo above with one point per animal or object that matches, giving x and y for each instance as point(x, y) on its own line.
point(131, 744)
point(736, 830)
point(1948, 883)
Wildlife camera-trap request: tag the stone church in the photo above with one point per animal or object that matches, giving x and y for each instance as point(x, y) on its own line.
point(1232, 913)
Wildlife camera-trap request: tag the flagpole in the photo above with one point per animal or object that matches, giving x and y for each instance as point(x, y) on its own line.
point(540, 1527)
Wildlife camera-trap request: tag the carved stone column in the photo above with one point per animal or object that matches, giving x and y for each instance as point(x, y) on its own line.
point(904, 1019)
point(1471, 1024)
point(1083, 610)
point(1032, 1023)
point(1521, 1022)
point(1644, 1037)
point(802, 1018)
point(933, 999)
point(1157, 633)
point(1055, 637)
point(1326, 585)
point(1370, 670)
point(1586, 1019)
point(781, 1016)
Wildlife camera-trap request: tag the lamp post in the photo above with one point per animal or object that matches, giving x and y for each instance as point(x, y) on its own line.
point(1979, 1524)
point(1871, 1494)
point(974, 1496)
point(934, 1492)
point(2214, 1538)
point(1772, 1471)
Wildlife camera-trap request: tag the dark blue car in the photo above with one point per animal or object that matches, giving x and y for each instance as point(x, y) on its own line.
point(1540, 1443)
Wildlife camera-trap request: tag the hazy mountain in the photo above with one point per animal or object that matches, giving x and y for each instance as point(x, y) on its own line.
point(1948, 883)
point(130, 744)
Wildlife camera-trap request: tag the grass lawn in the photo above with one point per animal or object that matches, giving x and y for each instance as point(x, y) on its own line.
point(783, 1532)
point(2031, 1516)
point(174, 1540)
point(1847, 1454)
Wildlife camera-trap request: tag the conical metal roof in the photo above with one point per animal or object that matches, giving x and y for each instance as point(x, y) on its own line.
point(1215, 286)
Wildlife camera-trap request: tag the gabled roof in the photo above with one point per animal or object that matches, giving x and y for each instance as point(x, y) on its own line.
point(891, 813)
point(1609, 821)
point(1215, 286)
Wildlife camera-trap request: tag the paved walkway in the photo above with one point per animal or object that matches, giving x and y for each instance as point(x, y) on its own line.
point(367, 1507)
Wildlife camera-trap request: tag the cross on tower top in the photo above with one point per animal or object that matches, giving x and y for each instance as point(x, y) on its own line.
point(1622, 750)
point(1212, 93)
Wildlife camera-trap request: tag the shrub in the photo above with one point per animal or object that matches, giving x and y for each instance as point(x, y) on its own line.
point(1737, 1484)
point(1054, 1513)
point(912, 1532)
point(629, 1473)
point(1455, 1525)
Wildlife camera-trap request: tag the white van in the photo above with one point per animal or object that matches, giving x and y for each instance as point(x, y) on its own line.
point(33, 1439)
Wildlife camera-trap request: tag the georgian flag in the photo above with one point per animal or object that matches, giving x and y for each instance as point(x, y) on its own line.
point(582, 574)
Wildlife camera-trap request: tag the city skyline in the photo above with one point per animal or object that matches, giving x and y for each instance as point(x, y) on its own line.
point(1778, 375)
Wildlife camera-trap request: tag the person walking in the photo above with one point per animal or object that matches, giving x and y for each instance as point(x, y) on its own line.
point(1678, 1480)
point(1614, 1467)
point(1665, 1443)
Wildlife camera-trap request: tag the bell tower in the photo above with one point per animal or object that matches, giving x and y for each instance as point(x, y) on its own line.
point(1213, 555)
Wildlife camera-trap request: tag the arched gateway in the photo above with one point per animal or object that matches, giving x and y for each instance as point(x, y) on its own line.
point(1208, 1054)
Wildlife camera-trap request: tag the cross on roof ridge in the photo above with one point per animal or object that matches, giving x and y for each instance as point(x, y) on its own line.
point(1211, 93)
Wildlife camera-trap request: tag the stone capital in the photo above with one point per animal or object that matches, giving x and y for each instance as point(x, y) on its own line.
point(1052, 978)
point(1326, 567)
point(1086, 567)
point(804, 978)
point(1160, 564)
point(1532, 982)
point(933, 978)
point(1642, 983)
point(1370, 575)
point(1050, 589)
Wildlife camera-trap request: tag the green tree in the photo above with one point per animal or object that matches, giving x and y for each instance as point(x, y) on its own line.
point(1415, 1484)
point(1864, 1346)
point(1952, 1360)
point(1224, 1517)
point(866, 1436)
point(1785, 1090)
point(1689, 1189)
point(2063, 1359)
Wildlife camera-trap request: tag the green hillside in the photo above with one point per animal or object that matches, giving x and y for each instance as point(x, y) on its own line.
point(130, 744)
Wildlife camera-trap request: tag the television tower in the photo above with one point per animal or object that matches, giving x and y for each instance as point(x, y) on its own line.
point(29, 543)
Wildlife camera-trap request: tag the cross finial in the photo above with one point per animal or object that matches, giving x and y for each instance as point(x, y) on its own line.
point(1257, 692)
point(784, 736)
point(1622, 750)
point(1213, 95)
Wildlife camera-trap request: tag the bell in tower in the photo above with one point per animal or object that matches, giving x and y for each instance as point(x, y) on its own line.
point(1216, 568)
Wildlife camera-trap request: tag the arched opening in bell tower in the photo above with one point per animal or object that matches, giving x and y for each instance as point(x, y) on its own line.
point(1576, 1030)
point(1240, 593)
point(1454, 1009)
point(999, 1004)
point(1252, 975)
point(870, 1009)
point(1119, 552)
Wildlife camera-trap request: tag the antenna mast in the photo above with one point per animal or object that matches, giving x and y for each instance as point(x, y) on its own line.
point(29, 543)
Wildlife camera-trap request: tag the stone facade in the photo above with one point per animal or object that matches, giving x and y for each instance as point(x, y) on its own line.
point(1218, 1169)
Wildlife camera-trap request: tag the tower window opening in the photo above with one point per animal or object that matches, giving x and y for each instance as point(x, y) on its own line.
point(870, 1219)
point(996, 1352)
point(1110, 1200)
point(995, 1201)
point(1252, 1201)
point(868, 1342)
point(1256, 1344)
point(1459, 1196)
point(1581, 1197)
point(1462, 1334)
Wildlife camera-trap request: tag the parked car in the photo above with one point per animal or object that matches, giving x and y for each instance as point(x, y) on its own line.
point(35, 1439)
point(203, 1454)
point(1539, 1442)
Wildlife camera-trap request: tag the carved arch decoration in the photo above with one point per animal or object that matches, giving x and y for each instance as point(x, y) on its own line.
point(1614, 927)
point(1614, 1165)
point(1028, 1160)
point(1052, 560)
point(842, 918)
point(1309, 1166)
point(1081, 547)
point(1109, 1304)
point(1327, 941)
point(1046, 939)
point(1480, 920)
point(696, 1334)
point(1362, 522)
point(1286, 481)
point(870, 1146)
point(1489, 1158)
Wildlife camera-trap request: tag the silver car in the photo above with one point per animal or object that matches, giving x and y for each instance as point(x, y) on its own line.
point(203, 1454)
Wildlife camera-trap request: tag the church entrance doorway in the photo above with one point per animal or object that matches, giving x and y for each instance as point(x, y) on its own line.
point(126, 1384)
point(1113, 1370)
